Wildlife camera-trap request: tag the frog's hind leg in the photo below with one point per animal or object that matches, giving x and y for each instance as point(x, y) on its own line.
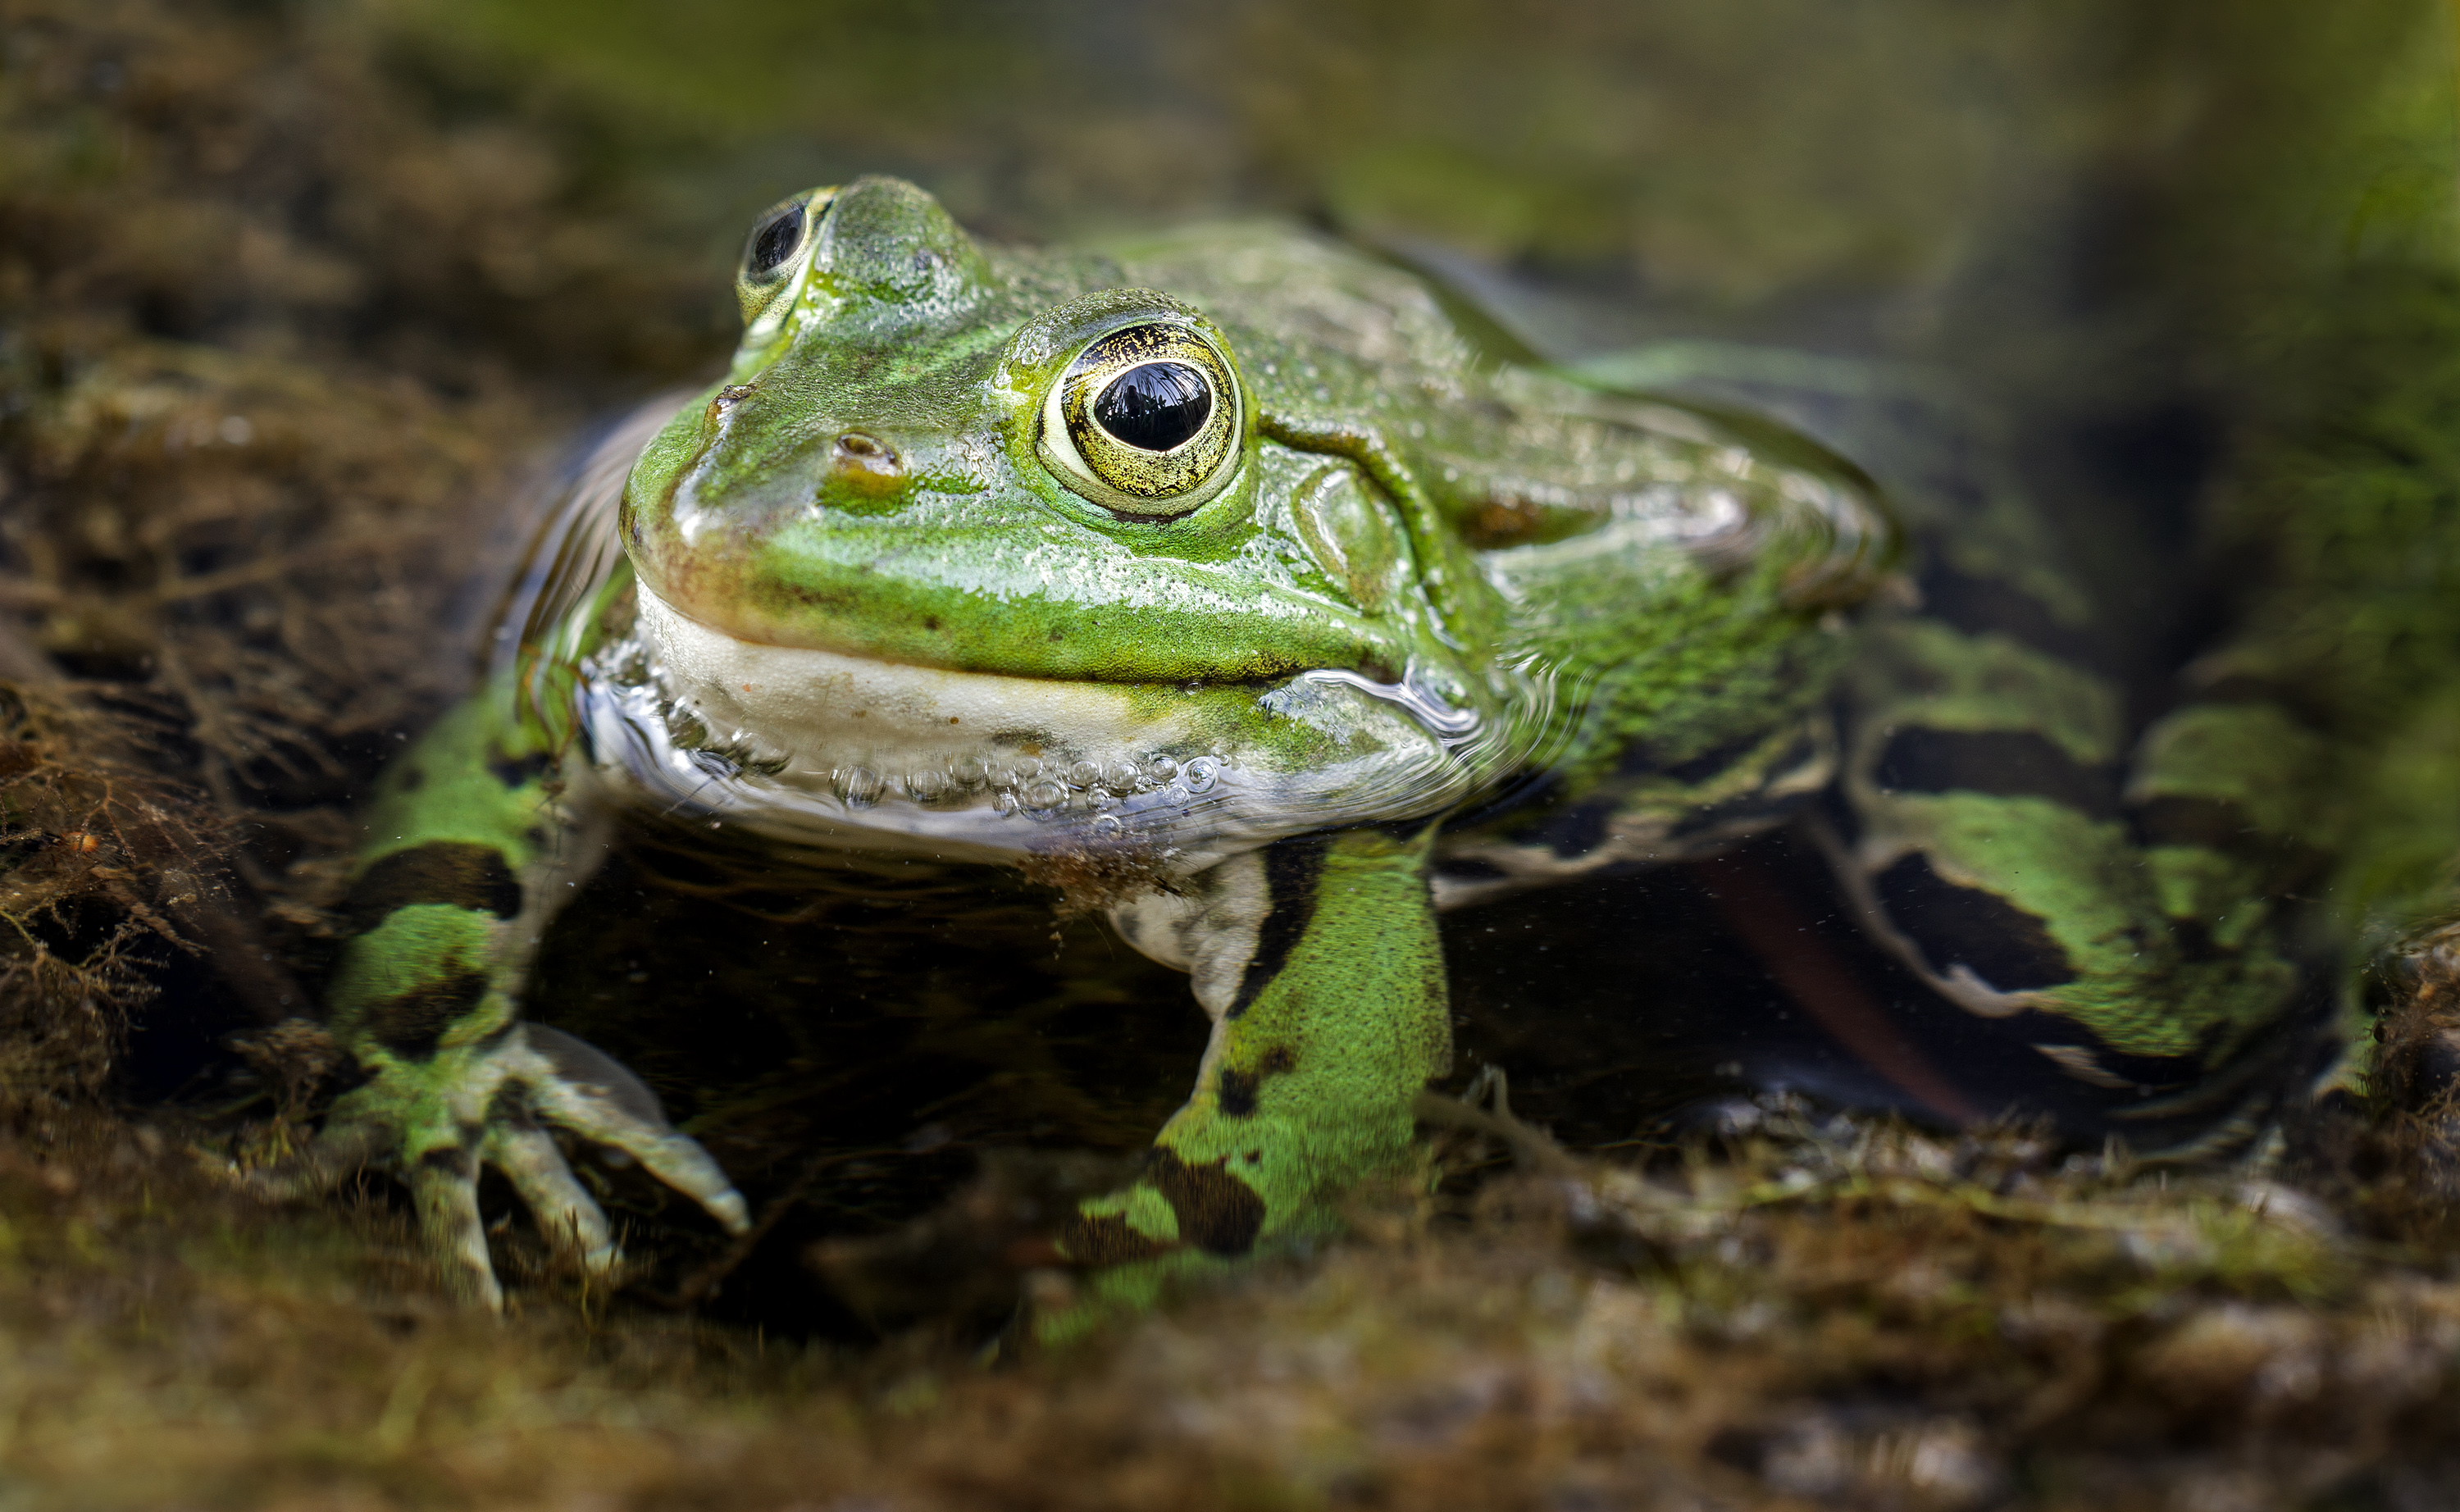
point(1319, 963)
point(1996, 837)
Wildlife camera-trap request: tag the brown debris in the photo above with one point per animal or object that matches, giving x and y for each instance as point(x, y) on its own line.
point(1090, 879)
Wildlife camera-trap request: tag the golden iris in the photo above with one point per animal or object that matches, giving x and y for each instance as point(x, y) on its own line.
point(1145, 421)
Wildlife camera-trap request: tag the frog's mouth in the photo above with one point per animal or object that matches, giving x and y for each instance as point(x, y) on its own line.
point(881, 724)
point(783, 735)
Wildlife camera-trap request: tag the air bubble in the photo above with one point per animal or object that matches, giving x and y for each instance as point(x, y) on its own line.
point(1085, 774)
point(970, 771)
point(860, 787)
point(1122, 777)
point(1161, 769)
point(1200, 774)
point(928, 786)
point(1044, 794)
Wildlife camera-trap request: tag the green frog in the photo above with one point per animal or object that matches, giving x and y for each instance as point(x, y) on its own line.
point(1222, 580)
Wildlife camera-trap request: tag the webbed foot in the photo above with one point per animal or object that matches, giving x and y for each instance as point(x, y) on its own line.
point(437, 1122)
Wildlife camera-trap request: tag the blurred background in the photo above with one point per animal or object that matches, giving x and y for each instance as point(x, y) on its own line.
point(2032, 191)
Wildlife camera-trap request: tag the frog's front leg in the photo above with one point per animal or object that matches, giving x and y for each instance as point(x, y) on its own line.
point(1319, 963)
point(469, 854)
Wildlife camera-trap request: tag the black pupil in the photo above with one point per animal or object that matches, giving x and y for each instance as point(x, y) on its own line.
point(776, 241)
point(1156, 406)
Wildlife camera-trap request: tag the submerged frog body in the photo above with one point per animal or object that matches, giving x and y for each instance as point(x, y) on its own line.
point(1218, 579)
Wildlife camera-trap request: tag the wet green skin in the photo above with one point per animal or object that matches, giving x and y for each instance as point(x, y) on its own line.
point(1662, 609)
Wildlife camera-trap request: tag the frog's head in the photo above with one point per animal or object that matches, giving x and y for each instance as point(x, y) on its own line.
point(934, 458)
point(960, 523)
point(964, 526)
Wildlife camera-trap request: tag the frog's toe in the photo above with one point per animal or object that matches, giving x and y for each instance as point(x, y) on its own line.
point(564, 1210)
point(576, 1086)
point(444, 1188)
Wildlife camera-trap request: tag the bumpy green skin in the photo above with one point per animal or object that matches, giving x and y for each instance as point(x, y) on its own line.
point(1310, 1078)
point(1500, 569)
point(467, 848)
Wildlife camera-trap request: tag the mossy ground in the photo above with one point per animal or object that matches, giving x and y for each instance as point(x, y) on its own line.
point(292, 300)
point(1810, 1314)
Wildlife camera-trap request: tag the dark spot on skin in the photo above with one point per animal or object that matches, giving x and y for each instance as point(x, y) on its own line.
point(410, 1023)
point(1291, 869)
point(2005, 763)
point(412, 779)
point(1108, 1241)
point(519, 772)
point(1952, 925)
point(1235, 1092)
point(2161, 1073)
point(1503, 519)
point(2196, 942)
point(2181, 820)
point(446, 871)
point(453, 1160)
point(1218, 1213)
point(1576, 831)
point(508, 1108)
point(1055, 633)
point(2303, 702)
point(1693, 771)
point(1987, 606)
point(931, 621)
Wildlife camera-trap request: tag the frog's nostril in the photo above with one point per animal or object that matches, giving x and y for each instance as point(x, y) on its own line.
point(865, 464)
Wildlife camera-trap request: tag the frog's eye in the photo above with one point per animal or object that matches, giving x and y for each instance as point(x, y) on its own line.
point(1145, 421)
point(775, 248)
point(774, 241)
